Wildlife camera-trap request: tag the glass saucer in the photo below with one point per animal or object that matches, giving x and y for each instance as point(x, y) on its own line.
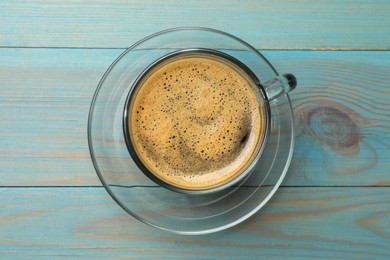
point(158, 206)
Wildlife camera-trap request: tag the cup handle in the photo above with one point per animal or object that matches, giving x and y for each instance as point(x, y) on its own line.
point(279, 85)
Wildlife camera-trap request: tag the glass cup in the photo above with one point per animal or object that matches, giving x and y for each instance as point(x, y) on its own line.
point(268, 91)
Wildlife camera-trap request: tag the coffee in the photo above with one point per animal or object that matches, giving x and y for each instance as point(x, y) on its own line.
point(196, 121)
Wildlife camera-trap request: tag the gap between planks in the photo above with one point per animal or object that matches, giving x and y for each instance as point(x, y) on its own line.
point(150, 186)
point(124, 48)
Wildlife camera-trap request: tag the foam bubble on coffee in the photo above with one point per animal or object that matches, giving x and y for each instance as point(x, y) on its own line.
point(196, 122)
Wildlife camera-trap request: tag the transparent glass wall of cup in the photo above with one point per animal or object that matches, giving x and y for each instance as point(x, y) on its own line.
point(268, 91)
point(160, 207)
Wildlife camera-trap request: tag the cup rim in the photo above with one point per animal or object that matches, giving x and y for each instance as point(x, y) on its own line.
point(245, 172)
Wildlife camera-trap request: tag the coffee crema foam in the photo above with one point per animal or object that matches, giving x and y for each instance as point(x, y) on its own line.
point(196, 122)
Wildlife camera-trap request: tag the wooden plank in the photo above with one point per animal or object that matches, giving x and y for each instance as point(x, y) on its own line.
point(52, 74)
point(265, 24)
point(297, 222)
point(341, 108)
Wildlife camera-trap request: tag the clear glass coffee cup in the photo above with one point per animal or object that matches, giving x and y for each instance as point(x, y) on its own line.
point(240, 60)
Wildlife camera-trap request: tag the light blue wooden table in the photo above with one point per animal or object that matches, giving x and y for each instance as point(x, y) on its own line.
point(335, 200)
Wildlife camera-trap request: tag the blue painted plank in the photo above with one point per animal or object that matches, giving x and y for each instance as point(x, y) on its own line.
point(298, 223)
point(342, 98)
point(331, 24)
point(342, 109)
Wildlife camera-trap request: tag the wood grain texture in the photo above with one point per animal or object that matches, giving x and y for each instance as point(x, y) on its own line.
point(342, 110)
point(51, 64)
point(298, 223)
point(265, 24)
